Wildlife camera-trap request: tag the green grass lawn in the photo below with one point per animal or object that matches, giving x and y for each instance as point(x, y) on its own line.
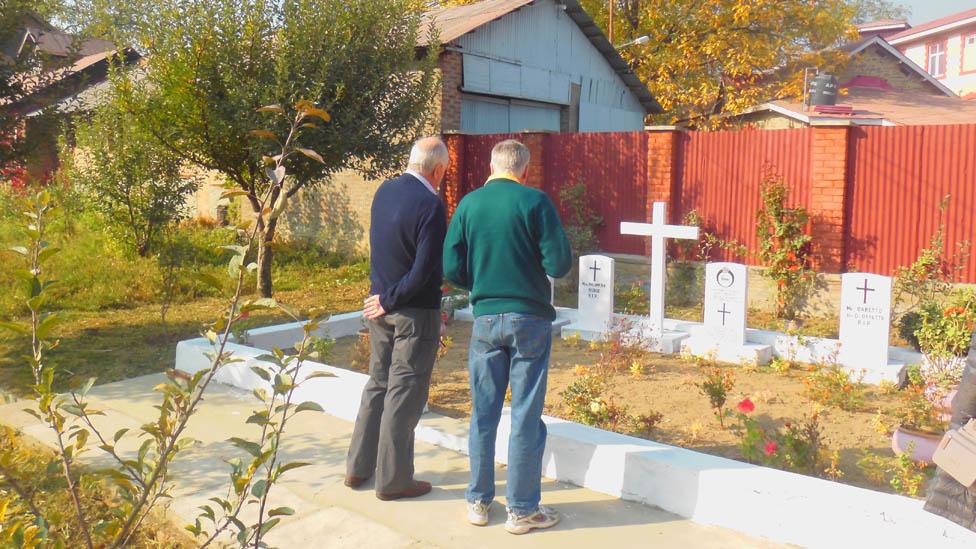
point(110, 299)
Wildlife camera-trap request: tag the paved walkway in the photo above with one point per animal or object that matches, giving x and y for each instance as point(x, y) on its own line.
point(331, 515)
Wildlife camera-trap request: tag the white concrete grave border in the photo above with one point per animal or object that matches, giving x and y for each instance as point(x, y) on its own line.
point(757, 501)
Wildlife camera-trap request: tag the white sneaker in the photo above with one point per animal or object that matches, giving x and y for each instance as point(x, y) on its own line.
point(478, 513)
point(523, 524)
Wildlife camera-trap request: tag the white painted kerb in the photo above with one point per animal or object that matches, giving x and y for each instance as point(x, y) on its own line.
point(758, 501)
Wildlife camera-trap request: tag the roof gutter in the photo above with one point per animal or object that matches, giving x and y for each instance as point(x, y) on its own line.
point(936, 30)
point(599, 40)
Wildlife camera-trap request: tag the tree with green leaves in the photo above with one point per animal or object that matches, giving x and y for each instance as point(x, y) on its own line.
point(215, 67)
point(136, 185)
point(708, 58)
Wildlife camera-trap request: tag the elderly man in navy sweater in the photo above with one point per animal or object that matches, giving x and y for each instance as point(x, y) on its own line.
point(406, 240)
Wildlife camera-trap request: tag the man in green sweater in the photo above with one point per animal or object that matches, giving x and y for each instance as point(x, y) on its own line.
point(503, 241)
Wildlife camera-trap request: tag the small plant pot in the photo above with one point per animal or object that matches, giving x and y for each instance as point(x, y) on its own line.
point(925, 443)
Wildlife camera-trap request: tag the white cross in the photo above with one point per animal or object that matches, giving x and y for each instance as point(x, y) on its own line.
point(659, 232)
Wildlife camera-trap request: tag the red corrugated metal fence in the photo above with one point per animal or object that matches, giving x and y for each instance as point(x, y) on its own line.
point(897, 177)
point(720, 174)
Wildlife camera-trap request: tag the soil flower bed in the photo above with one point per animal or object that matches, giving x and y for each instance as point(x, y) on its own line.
point(659, 397)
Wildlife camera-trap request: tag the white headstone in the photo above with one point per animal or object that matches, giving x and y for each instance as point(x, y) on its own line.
point(726, 291)
point(659, 232)
point(865, 321)
point(595, 292)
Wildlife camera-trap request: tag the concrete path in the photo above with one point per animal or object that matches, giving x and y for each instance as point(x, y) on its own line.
point(331, 515)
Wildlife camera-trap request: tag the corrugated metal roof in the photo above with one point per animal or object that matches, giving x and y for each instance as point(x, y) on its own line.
point(453, 22)
point(456, 21)
point(905, 108)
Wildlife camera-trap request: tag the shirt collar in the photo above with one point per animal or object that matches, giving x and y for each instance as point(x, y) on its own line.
point(504, 175)
point(423, 180)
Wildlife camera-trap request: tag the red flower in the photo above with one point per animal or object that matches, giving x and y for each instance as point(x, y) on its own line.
point(955, 311)
point(445, 290)
point(244, 316)
point(794, 268)
point(746, 406)
point(771, 448)
point(791, 256)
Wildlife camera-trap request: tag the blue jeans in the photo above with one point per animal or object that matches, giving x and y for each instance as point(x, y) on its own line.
point(508, 349)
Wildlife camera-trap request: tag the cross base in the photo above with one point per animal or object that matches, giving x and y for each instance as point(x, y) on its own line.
point(701, 345)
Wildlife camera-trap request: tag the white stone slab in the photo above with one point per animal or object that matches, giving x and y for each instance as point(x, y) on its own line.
point(283, 336)
point(865, 321)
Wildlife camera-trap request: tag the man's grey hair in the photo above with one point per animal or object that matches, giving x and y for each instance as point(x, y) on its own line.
point(509, 156)
point(427, 154)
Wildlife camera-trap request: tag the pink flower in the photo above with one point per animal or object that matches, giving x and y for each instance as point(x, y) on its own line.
point(746, 406)
point(771, 448)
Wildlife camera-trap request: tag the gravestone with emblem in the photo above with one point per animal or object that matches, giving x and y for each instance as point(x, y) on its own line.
point(865, 326)
point(595, 311)
point(723, 335)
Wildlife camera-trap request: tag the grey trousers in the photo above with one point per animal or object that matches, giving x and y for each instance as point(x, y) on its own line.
point(403, 347)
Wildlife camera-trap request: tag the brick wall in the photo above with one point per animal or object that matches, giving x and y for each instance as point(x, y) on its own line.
point(449, 102)
point(876, 62)
point(827, 196)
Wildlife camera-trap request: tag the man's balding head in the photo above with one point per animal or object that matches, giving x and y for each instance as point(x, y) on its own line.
point(427, 155)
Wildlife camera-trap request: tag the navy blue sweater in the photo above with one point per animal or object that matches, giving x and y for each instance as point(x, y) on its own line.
point(406, 241)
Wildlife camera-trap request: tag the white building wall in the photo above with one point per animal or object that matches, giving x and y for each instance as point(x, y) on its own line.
point(535, 54)
point(961, 58)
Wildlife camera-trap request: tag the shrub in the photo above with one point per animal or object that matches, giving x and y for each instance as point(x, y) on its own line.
point(924, 283)
point(901, 473)
point(784, 248)
point(581, 223)
point(135, 183)
point(797, 447)
point(919, 409)
point(832, 385)
point(945, 335)
point(715, 385)
point(633, 300)
point(586, 403)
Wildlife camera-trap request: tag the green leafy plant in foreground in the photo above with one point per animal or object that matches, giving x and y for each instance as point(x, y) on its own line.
point(139, 479)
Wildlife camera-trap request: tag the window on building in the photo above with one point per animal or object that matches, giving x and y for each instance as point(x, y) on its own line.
point(969, 53)
point(937, 59)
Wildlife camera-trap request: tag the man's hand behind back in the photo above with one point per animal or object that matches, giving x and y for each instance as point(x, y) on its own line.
point(372, 308)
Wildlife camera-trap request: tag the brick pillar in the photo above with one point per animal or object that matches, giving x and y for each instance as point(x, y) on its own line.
point(536, 142)
point(827, 196)
point(452, 187)
point(450, 68)
point(662, 171)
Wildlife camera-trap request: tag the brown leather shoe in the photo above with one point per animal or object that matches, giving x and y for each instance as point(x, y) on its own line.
point(418, 489)
point(354, 482)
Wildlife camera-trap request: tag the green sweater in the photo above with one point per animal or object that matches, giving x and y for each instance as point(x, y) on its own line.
point(503, 240)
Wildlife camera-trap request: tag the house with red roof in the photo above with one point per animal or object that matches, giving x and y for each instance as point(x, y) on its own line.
point(879, 86)
point(945, 48)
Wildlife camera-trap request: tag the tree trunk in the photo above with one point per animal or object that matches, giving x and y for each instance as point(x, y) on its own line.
point(265, 256)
